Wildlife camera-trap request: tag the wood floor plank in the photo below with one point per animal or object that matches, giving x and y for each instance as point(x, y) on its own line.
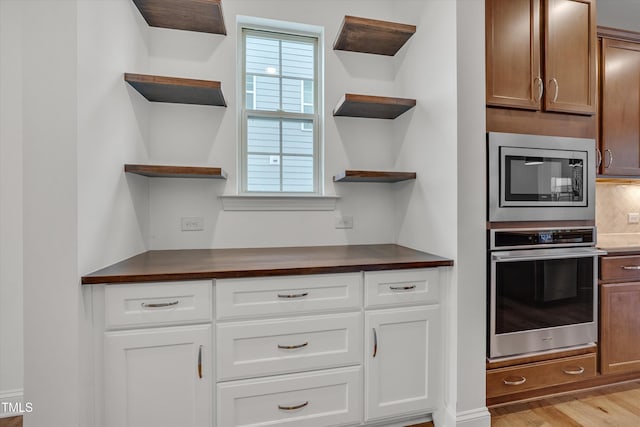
point(617, 405)
point(11, 422)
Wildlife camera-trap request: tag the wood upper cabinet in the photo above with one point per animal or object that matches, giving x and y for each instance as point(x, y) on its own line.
point(541, 55)
point(620, 108)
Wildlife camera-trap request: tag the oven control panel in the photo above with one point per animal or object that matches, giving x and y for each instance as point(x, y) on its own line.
point(542, 238)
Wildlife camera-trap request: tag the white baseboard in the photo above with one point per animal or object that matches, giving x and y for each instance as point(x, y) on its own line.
point(11, 396)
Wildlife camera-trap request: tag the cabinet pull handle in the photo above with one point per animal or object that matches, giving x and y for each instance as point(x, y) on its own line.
point(598, 158)
point(402, 288)
point(555, 82)
point(631, 267)
point(294, 407)
point(610, 158)
point(200, 362)
point(540, 87)
point(303, 294)
point(573, 370)
point(514, 380)
point(159, 304)
point(375, 342)
point(292, 347)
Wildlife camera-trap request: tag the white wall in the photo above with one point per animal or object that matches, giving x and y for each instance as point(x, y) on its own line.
point(11, 354)
point(51, 281)
point(200, 135)
point(619, 14)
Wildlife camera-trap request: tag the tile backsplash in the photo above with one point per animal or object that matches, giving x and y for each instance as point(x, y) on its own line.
point(613, 203)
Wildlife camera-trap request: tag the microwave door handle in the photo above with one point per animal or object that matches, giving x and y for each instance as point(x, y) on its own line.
point(582, 254)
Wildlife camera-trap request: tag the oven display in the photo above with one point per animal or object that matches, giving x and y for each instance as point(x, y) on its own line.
point(545, 237)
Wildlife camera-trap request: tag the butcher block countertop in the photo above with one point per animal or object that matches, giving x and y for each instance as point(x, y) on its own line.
point(194, 264)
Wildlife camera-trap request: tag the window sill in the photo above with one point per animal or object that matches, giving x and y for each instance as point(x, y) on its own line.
point(278, 203)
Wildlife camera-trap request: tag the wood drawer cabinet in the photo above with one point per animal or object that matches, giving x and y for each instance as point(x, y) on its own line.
point(620, 109)
point(514, 379)
point(545, 62)
point(315, 399)
point(401, 287)
point(620, 268)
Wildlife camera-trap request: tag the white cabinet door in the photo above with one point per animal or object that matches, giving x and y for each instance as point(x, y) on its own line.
point(158, 377)
point(401, 356)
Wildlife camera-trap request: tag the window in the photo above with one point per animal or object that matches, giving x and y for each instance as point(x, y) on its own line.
point(280, 143)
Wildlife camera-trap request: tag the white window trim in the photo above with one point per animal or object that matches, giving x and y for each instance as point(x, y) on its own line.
point(294, 29)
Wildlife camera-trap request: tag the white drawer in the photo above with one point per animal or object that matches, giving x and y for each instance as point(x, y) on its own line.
point(323, 398)
point(281, 295)
point(401, 287)
point(260, 348)
point(151, 304)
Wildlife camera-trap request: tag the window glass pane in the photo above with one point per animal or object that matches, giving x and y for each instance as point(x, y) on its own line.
point(291, 95)
point(296, 139)
point(262, 55)
point(298, 59)
point(262, 174)
point(263, 135)
point(267, 93)
point(297, 173)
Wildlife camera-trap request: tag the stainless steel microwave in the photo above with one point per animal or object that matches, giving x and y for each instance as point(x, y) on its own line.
point(540, 178)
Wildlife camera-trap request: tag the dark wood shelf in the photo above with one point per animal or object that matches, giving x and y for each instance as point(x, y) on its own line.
point(204, 16)
point(177, 90)
point(373, 176)
point(176, 171)
point(372, 36)
point(375, 107)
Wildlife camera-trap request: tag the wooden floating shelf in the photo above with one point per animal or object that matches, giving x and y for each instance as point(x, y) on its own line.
point(176, 171)
point(372, 36)
point(204, 16)
point(177, 90)
point(375, 107)
point(373, 176)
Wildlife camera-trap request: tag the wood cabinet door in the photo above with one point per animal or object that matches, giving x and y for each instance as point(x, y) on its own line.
point(513, 53)
point(570, 56)
point(620, 113)
point(152, 377)
point(401, 359)
point(619, 328)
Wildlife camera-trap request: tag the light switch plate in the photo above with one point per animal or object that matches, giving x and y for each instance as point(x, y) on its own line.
point(633, 217)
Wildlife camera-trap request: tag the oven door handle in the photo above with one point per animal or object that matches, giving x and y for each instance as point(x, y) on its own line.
point(505, 256)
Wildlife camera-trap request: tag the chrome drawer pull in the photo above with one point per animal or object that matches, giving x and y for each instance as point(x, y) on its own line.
point(573, 370)
point(292, 347)
point(402, 288)
point(631, 267)
point(514, 380)
point(293, 408)
point(160, 304)
point(304, 294)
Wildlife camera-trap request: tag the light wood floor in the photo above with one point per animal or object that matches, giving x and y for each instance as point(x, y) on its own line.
point(617, 405)
point(11, 422)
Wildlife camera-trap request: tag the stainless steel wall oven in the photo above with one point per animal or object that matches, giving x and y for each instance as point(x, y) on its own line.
point(542, 289)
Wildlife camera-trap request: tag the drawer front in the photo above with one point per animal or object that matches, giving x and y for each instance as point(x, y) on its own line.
point(260, 348)
point(400, 287)
point(317, 399)
point(620, 268)
point(167, 303)
point(538, 375)
point(281, 295)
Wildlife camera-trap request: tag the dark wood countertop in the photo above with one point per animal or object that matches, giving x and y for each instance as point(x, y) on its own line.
point(194, 264)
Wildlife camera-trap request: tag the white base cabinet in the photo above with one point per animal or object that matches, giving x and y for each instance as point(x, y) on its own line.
point(157, 378)
point(399, 361)
point(348, 349)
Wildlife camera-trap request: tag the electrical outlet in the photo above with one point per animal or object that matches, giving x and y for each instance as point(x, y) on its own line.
point(194, 223)
point(345, 221)
point(633, 217)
